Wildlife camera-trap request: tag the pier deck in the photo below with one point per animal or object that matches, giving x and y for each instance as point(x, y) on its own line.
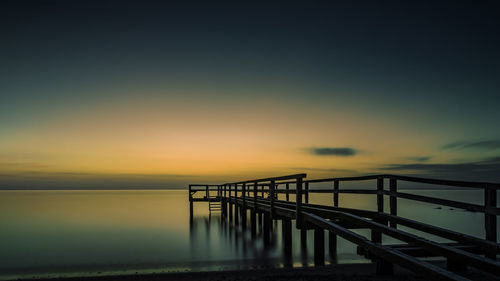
point(243, 203)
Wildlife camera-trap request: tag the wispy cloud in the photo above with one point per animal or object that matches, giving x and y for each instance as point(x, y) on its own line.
point(332, 170)
point(420, 159)
point(333, 151)
point(482, 170)
point(484, 145)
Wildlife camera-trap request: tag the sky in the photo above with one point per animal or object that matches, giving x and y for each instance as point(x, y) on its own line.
point(159, 94)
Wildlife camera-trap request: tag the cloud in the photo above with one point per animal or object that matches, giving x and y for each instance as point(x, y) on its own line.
point(334, 151)
point(485, 145)
point(420, 159)
point(324, 170)
point(487, 169)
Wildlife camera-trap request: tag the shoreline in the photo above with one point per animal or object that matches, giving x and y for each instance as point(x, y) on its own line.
point(329, 272)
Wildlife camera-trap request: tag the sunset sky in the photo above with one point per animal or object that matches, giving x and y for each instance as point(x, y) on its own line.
point(159, 94)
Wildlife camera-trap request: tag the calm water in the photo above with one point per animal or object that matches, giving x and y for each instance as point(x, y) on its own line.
point(54, 233)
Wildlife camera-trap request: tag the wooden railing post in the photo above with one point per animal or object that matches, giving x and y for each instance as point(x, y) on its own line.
point(271, 194)
point(393, 203)
point(243, 209)
point(230, 205)
point(375, 235)
point(236, 207)
point(255, 187)
point(253, 214)
point(336, 193)
point(243, 194)
point(306, 192)
point(380, 194)
point(298, 204)
point(207, 192)
point(287, 186)
point(490, 220)
point(190, 205)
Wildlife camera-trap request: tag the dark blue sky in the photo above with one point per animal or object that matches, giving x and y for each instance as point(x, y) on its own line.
point(428, 67)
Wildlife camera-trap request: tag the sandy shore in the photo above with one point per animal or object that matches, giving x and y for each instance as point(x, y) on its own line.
point(334, 272)
point(344, 272)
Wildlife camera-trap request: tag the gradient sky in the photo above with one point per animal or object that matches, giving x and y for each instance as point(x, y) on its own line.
point(152, 94)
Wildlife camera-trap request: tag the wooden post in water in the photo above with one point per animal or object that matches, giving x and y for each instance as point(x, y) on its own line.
point(393, 203)
point(490, 220)
point(253, 214)
point(286, 225)
point(319, 246)
point(244, 207)
point(225, 201)
point(267, 229)
point(236, 207)
point(230, 205)
point(271, 194)
point(332, 247)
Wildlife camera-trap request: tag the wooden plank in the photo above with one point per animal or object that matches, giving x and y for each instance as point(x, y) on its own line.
point(416, 251)
point(347, 191)
point(443, 250)
point(444, 202)
point(386, 253)
point(454, 183)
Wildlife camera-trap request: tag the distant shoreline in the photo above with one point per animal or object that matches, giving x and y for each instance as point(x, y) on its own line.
point(186, 189)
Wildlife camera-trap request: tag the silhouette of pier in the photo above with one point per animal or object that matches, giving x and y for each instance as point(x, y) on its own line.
point(252, 202)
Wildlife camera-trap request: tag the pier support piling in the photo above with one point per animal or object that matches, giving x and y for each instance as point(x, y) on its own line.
point(319, 247)
point(332, 247)
point(286, 228)
point(267, 229)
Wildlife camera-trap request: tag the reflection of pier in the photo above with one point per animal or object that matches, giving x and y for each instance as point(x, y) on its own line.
point(255, 202)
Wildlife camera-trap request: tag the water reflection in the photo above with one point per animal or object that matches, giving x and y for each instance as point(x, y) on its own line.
point(102, 231)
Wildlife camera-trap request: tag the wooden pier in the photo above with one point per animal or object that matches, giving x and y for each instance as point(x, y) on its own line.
point(257, 199)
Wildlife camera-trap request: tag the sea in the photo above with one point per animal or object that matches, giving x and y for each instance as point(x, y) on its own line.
point(65, 233)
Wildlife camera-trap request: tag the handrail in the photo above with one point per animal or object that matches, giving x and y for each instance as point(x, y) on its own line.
point(470, 184)
point(295, 176)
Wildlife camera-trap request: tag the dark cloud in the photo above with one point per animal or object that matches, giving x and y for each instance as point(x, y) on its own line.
point(333, 151)
point(484, 170)
point(486, 145)
point(420, 159)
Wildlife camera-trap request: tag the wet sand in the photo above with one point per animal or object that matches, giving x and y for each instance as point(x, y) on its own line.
point(334, 272)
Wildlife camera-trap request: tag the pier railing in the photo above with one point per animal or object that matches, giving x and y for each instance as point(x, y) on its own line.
point(260, 198)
